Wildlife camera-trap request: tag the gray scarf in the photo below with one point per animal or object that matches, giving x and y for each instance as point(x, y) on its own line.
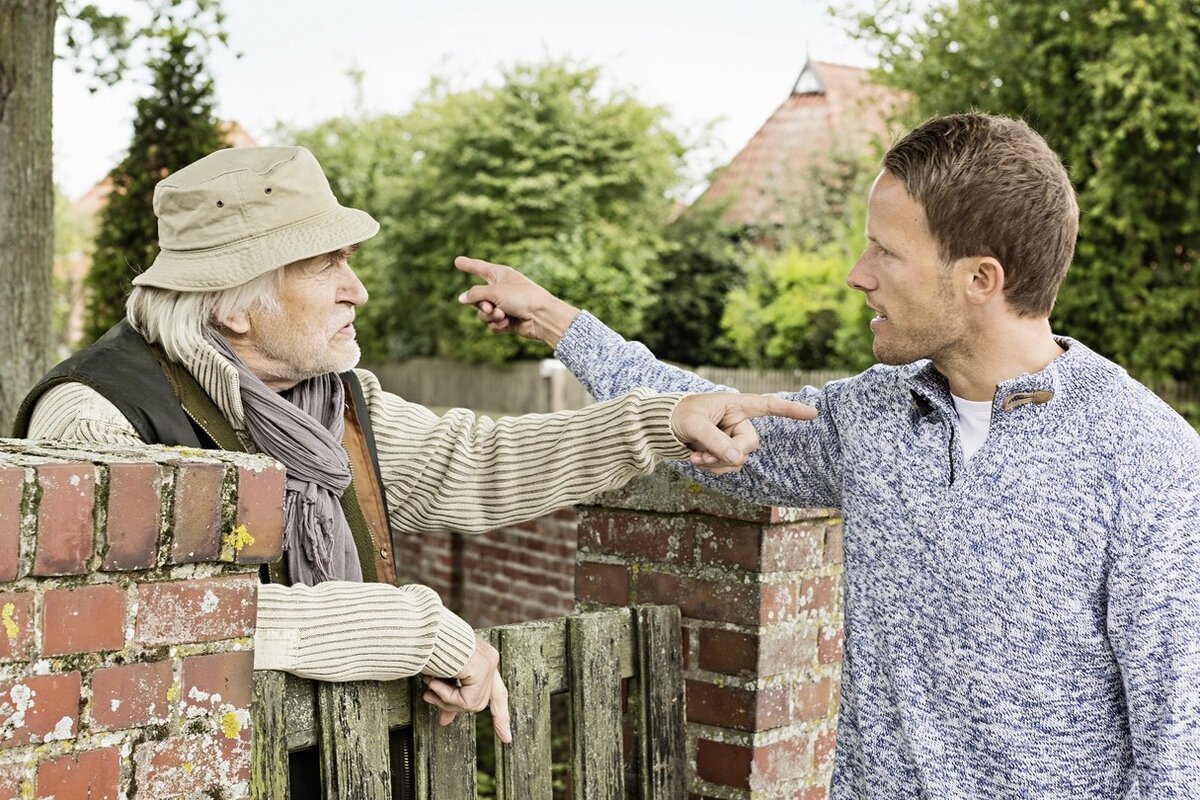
point(302, 427)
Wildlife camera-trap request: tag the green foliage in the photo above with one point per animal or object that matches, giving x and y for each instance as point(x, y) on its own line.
point(173, 127)
point(102, 44)
point(702, 262)
point(796, 310)
point(541, 170)
point(1114, 86)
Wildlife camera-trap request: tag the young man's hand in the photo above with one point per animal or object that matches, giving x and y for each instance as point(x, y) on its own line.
point(717, 426)
point(511, 303)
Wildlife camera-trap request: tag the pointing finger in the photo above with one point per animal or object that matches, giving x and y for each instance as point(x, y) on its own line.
point(764, 405)
point(477, 266)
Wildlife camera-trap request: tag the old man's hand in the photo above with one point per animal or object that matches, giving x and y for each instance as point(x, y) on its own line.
point(477, 687)
point(718, 429)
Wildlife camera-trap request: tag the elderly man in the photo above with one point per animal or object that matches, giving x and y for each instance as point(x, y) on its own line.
point(240, 336)
point(1022, 543)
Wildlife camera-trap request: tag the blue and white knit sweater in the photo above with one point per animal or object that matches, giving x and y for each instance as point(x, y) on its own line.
point(1025, 625)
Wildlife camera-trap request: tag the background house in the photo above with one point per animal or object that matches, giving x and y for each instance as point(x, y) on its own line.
point(833, 110)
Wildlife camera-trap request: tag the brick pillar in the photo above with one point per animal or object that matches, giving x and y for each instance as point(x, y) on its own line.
point(128, 588)
point(759, 589)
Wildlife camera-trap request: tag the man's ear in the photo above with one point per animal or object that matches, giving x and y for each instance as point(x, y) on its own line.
point(984, 276)
point(237, 324)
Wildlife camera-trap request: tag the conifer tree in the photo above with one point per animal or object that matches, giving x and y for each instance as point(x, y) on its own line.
point(173, 127)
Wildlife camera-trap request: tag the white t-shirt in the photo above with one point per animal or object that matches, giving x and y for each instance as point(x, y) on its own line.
point(974, 419)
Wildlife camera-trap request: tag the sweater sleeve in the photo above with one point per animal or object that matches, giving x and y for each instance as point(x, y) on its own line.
point(1154, 629)
point(343, 631)
point(470, 473)
point(798, 463)
point(76, 412)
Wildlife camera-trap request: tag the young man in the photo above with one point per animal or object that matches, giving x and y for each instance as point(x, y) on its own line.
point(1022, 543)
point(241, 336)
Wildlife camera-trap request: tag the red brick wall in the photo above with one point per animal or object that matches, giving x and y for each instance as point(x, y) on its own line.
point(127, 603)
point(511, 574)
point(759, 590)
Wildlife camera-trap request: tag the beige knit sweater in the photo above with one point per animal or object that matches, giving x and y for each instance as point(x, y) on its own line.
point(458, 471)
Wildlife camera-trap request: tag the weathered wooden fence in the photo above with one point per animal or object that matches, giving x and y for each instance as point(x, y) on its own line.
point(380, 741)
point(531, 387)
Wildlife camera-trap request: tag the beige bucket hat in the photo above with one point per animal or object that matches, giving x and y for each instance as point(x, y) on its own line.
point(239, 213)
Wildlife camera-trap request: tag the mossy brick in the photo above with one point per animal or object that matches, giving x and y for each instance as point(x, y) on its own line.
point(16, 626)
point(762, 548)
point(602, 583)
point(193, 764)
point(699, 598)
point(12, 489)
point(260, 509)
point(11, 778)
point(824, 746)
point(636, 536)
point(91, 774)
point(84, 619)
point(724, 763)
point(747, 709)
point(833, 543)
point(131, 695)
point(813, 700)
point(216, 680)
point(787, 647)
point(196, 512)
point(134, 515)
point(729, 652)
point(65, 528)
point(39, 708)
point(669, 492)
point(197, 610)
point(817, 595)
point(759, 652)
point(786, 760)
point(829, 645)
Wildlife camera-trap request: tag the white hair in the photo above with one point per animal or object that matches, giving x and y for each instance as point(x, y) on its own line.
point(177, 321)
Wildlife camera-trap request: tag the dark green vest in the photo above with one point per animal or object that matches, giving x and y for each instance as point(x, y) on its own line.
point(165, 405)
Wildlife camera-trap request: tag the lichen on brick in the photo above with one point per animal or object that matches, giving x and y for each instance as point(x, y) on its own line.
point(11, 629)
point(235, 541)
point(231, 726)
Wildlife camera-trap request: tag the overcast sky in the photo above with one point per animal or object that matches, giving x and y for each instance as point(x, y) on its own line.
point(703, 59)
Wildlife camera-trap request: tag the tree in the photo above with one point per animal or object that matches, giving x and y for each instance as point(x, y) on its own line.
point(26, 166)
point(27, 198)
point(702, 263)
point(541, 170)
point(1114, 86)
point(796, 310)
point(173, 127)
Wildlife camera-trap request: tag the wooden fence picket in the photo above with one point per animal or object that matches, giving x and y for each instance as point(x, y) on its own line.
point(359, 731)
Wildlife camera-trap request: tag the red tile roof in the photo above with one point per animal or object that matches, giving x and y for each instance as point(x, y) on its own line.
point(833, 108)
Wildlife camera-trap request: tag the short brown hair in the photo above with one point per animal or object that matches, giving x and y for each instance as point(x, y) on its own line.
point(991, 186)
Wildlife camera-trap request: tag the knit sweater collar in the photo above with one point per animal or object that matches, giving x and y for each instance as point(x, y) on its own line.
point(1078, 371)
point(219, 378)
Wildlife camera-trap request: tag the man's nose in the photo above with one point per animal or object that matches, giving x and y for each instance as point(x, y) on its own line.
point(857, 278)
point(353, 291)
